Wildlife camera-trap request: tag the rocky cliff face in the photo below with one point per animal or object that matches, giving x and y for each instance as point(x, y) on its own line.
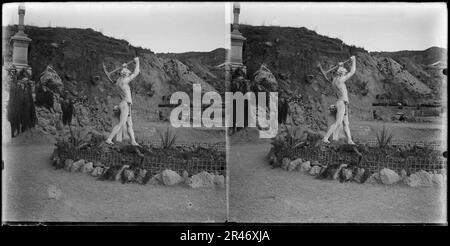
point(425, 65)
point(204, 64)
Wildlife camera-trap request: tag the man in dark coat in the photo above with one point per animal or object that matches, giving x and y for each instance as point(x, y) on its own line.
point(21, 110)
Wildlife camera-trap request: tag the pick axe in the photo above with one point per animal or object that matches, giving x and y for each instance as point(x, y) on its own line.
point(324, 73)
point(115, 70)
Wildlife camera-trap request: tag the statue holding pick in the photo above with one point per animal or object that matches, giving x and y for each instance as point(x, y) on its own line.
point(125, 121)
point(342, 104)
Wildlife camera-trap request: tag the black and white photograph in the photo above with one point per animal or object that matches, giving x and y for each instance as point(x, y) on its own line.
point(224, 112)
point(86, 129)
point(362, 114)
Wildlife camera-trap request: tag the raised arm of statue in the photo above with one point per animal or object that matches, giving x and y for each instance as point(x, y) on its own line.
point(352, 70)
point(136, 70)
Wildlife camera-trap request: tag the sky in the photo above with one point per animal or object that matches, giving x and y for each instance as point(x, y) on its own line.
point(161, 27)
point(373, 26)
point(182, 27)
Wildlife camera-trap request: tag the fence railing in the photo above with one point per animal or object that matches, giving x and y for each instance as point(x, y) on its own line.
point(434, 164)
point(219, 146)
point(151, 163)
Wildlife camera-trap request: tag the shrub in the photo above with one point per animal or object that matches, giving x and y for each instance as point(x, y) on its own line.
point(291, 137)
point(148, 89)
point(76, 140)
point(168, 139)
point(287, 139)
point(361, 87)
point(384, 137)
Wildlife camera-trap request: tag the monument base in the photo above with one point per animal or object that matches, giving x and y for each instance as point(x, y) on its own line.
point(19, 67)
point(231, 67)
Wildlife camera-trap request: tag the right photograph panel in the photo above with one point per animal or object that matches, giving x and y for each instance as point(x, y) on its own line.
point(339, 112)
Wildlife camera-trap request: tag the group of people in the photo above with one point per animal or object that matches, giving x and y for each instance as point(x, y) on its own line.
point(25, 95)
point(21, 110)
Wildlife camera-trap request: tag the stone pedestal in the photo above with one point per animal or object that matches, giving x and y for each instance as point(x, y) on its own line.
point(234, 55)
point(20, 44)
point(20, 51)
point(237, 42)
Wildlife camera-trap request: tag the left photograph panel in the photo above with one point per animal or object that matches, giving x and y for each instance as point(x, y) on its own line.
point(105, 112)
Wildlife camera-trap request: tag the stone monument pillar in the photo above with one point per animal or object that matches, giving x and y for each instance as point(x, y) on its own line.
point(20, 44)
point(237, 40)
point(236, 12)
point(233, 60)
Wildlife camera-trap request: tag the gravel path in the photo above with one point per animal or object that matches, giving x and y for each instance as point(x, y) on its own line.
point(258, 193)
point(34, 191)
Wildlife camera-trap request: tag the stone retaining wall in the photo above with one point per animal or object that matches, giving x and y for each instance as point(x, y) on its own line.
point(375, 164)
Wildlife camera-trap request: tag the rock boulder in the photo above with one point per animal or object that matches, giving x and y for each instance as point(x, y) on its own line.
point(203, 179)
point(97, 172)
point(438, 179)
point(285, 163)
point(305, 166)
point(357, 176)
point(128, 175)
point(315, 170)
point(156, 179)
point(87, 167)
point(170, 177)
point(219, 181)
point(185, 175)
point(294, 164)
point(118, 176)
point(76, 166)
point(374, 179)
point(67, 164)
point(264, 78)
point(421, 178)
point(388, 176)
point(140, 175)
point(51, 80)
point(338, 171)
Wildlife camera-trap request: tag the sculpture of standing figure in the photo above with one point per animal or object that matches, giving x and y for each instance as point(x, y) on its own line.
point(123, 83)
point(340, 88)
point(122, 134)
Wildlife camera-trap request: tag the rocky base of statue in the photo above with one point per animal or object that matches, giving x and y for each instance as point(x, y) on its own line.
point(136, 174)
point(296, 149)
point(351, 172)
point(194, 166)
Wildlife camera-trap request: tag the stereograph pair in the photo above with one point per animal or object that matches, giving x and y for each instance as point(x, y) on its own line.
point(224, 112)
